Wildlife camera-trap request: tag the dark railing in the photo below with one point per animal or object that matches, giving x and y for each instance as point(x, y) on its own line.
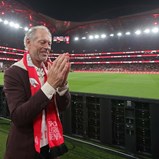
point(130, 125)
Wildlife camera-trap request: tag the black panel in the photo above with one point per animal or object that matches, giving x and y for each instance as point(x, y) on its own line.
point(130, 127)
point(127, 124)
point(118, 125)
point(143, 131)
point(93, 109)
point(77, 107)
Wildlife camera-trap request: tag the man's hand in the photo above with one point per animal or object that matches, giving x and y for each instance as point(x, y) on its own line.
point(58, 71)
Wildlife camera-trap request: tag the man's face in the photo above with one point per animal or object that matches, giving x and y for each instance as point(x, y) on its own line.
point(39, 46)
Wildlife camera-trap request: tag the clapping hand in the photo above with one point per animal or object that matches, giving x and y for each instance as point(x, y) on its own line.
point(58, 71)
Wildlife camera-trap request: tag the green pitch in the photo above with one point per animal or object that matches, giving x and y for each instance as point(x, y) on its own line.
point(131, 85)
point(1, 78)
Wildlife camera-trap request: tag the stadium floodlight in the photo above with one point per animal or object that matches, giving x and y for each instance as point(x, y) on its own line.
point(91, 37)
point(76, 38)
point(155, 30)
point(83, 37)
point(147, 31)
point(96, 36)
point(6, 22)
point(138, 32)
point(127, 33)
point(111, 35)
point(26, 28)
point(11, 24)
point(119, 34)
point(17, 26)
point(103, 36)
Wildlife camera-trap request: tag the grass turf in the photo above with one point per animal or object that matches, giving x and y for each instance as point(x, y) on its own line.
point(118, 84)
point(131, 85)
point(4, 127)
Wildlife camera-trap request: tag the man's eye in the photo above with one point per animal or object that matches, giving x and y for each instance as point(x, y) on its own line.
point(42, 42)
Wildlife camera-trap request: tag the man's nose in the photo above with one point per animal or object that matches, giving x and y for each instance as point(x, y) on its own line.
point(47, 48)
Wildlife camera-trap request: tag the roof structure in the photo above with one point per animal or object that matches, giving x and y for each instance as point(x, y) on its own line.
point(13, 9)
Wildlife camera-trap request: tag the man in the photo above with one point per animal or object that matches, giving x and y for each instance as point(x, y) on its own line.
point(36, 90)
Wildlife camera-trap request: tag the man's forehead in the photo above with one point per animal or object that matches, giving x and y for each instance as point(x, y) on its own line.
point(42, 35)
point(42, 31)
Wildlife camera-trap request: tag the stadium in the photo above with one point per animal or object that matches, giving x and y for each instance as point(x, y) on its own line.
point(114, 80)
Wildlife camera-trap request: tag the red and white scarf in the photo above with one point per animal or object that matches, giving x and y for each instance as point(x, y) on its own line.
point(54, 126)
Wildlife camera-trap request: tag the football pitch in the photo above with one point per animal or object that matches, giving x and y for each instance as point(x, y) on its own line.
point(116, 84)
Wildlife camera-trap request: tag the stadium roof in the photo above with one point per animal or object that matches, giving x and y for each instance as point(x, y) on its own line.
point(86, 10)
point(66, 17)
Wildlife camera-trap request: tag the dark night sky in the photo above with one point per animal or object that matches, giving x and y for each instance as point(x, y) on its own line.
point(84, 10)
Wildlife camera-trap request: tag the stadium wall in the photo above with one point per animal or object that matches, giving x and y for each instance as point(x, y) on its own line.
point(125, 123)
point(130, 125)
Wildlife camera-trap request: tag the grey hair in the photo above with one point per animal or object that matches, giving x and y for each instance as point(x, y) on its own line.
point(31, 32)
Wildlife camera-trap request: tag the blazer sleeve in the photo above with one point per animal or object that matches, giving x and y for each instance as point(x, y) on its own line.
point(63, 102)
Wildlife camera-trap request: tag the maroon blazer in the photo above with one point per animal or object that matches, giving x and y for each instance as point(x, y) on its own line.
point(23, 109)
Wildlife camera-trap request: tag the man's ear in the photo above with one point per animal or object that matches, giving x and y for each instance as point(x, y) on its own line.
point(28, 43)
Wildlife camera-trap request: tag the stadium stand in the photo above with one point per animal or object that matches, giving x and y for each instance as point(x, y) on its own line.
point(134, 61)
